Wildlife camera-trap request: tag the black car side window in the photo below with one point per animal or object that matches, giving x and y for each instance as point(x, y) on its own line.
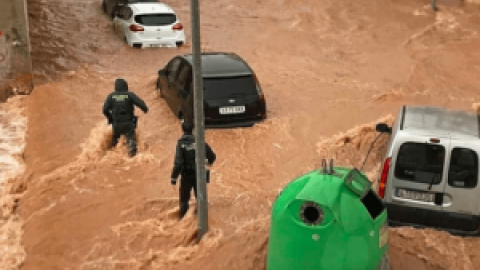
point(123, 13)
point(189, 82)
point(128, 13)
point(183, 76)
point(173, 70)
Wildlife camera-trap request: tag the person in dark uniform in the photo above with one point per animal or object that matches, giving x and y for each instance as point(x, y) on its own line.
point(184, 164)
point(119, 110)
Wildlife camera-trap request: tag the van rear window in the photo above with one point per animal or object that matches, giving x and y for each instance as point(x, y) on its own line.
point(420, 162)
point(156, 19)
point(463, 172)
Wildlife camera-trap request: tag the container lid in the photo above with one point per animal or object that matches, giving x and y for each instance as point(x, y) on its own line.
point(357, 182)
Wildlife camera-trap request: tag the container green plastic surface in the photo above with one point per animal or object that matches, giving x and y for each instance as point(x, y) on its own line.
point(324, 221)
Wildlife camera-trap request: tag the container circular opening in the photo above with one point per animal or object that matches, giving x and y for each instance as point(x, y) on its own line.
point(311, 213)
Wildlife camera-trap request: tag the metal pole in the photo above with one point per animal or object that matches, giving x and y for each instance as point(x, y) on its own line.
point(199, 122)
point(434, 4)
point(29, 48)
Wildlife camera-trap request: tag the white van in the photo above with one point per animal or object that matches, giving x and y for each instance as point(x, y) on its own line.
point(430, 171)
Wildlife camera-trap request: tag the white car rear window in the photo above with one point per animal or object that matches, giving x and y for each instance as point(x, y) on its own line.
point(156, 19)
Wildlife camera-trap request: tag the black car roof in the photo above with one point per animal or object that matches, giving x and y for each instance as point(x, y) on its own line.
point(221, 64)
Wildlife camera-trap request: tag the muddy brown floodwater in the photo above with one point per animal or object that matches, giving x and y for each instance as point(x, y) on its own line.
point(330, 70)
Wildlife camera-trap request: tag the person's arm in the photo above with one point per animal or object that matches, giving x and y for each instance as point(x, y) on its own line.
point(138, 102)
point(106, 108)
point(177, 164)
point(211, 157)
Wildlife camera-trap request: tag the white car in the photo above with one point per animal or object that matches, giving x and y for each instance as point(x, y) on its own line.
point(143, 25)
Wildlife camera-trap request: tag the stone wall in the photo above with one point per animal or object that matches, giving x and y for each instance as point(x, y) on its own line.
point(15, 61)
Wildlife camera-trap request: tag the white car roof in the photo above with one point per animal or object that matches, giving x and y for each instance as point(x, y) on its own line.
point(148, 8)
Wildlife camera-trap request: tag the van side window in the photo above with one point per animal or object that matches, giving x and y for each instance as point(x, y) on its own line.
point(463, 172)
point(420, 162)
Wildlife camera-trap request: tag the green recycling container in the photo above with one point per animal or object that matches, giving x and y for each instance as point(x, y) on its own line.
point(328, 221)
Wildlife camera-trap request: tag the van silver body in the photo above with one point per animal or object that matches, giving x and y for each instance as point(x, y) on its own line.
point(430, 173)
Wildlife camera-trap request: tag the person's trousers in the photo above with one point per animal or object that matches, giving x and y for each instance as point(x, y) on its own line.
point(187, 183)
point(126, 128)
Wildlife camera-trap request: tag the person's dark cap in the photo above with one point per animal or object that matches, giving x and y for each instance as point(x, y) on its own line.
point(187, 127)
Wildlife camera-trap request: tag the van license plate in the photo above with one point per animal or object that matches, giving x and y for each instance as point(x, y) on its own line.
point(232, 110)
point(415, 195)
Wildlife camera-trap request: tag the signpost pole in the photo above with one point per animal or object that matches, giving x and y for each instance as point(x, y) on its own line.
point(199, 122)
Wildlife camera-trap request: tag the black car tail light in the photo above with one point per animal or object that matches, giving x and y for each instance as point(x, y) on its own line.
point(257, 83)
point(262, 98)
point(263, 106)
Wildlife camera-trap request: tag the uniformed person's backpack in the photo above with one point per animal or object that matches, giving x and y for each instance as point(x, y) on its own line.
point(120, 106)
point(189, 157)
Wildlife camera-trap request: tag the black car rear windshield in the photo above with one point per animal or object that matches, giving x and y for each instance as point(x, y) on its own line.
point(156, 19)
point(420, 162)
point(218, 88)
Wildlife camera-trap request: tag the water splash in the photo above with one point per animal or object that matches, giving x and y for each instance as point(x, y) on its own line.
point(13, 133)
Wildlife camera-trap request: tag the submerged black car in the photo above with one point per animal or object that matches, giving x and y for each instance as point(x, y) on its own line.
point(232, 94)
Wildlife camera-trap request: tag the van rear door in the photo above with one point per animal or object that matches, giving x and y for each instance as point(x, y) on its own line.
point(416, 180)
point(460, 200)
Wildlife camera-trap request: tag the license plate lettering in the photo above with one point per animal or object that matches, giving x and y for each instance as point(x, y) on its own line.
point(415, 195)
point(232, 110)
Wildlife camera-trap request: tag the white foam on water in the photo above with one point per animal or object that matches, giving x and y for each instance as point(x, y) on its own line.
point(13, 129)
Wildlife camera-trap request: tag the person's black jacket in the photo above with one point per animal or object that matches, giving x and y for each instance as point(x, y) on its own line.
point(121, 88)
point(180, 160)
